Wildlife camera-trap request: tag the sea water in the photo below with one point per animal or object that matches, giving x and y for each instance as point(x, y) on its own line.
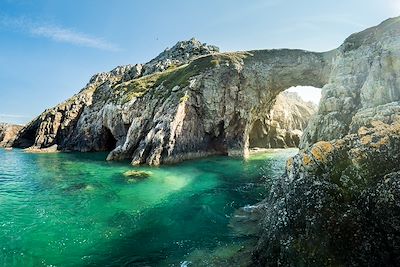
point(76, 209)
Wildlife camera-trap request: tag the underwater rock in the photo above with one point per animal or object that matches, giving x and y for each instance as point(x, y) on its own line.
point(133, 176)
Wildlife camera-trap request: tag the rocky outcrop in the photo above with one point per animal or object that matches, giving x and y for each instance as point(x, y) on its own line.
point(285, 124)
point(8, 133)
point(337, 204)
point(203, 103)
point(192, 101)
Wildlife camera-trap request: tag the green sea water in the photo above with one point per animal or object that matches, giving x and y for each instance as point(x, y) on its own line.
point(76, 209)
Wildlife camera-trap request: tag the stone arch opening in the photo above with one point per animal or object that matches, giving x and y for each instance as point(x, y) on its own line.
point(281, 123)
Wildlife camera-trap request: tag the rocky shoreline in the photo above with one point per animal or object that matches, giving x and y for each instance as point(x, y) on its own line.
point(338, 202)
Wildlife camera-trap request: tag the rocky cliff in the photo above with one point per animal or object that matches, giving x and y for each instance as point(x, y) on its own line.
point(8, 134)
point(189, 102)
point(193, 101)
point(364, 75)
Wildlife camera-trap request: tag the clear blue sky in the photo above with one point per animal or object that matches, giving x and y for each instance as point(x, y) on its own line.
point(49, 49)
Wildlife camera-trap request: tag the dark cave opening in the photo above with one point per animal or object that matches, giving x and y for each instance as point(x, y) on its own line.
point(109, 141)
point(217, 141)
point(26, 138)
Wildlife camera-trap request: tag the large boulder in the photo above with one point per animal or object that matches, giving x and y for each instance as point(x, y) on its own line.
point(338, 203)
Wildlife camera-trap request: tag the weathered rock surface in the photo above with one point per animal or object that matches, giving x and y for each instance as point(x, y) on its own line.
point(285, 124)
point(192, 101)
point(8, 134)
point(365, 75)
point(338, 203)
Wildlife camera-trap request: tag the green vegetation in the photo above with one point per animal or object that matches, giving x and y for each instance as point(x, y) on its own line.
point(184, 98)
point(173, 76)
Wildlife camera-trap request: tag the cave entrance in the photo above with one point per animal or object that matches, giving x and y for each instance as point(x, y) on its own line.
point(282, 123)
point(109, 141)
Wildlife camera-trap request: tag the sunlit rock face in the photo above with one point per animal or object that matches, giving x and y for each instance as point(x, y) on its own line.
point(8, 134)
point(192, 101)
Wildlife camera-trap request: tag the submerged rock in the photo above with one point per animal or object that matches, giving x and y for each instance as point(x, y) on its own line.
point(79, 187)
point(337, 204)
point(133, 176)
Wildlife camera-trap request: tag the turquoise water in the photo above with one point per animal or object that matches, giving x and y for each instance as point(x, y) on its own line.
point(76, 209)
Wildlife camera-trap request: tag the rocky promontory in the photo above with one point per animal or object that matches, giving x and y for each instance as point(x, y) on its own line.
point(193, 101)
point(8, 133)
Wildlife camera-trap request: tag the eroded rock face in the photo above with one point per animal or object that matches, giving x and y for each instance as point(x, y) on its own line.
point(284, 126)
point(337, 204)
point(192, 101)
point(8, 134)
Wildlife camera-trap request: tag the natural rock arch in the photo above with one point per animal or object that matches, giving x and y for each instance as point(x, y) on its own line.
point(251, 82)
point(192, 101)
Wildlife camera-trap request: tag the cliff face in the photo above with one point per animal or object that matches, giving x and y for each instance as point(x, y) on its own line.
point(8, 133)
point(192, 101)
point(365, 75)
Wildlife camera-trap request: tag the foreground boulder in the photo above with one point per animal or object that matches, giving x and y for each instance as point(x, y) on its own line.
point(338, 203)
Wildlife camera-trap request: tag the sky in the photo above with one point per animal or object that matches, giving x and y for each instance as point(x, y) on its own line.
point(50, 49)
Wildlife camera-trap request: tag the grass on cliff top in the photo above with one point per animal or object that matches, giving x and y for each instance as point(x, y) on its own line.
point(173, 76)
